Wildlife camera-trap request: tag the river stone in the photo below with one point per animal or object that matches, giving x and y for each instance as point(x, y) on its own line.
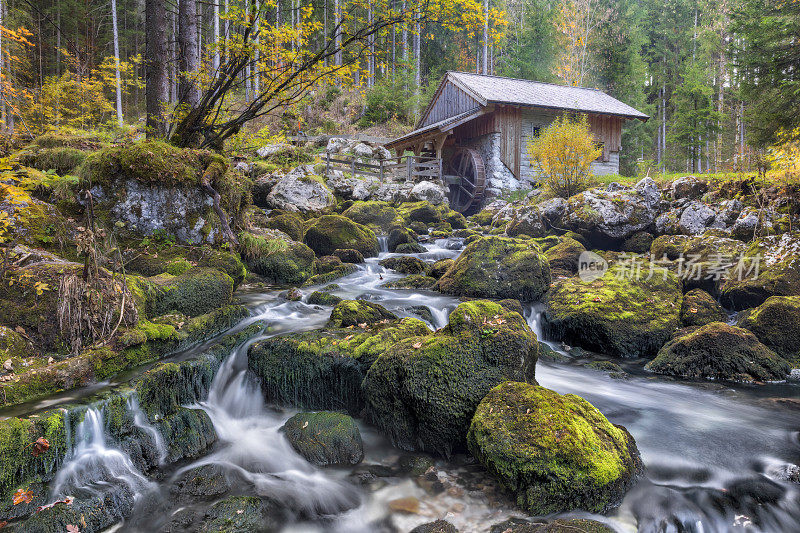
point(696, 217)
point(719, 351)
point(498, 267)
point(204, 482)
point(242, 514)
point(357, 313)
point(302, 192)
point(688, 187)
point(379, 216)
point(429, 192)
point(325, 438)
point(422, 391)
point(555, 453)
point(329, 233)
point(776, 323)
point(526, 221)
point(276, 257)
point(437, 526)
point(700, 308)
point(613, 314)
point(405, 264)
point(608, 217)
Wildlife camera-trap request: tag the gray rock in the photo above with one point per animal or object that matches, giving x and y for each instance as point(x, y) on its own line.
point(669, 223)
point(553, 209)
point(336, 145)
point(429, 191)
point(298, 191)
point(272, 149)
point(696, 217)
point(727, 214)
point(749, 222)
point(688, 187)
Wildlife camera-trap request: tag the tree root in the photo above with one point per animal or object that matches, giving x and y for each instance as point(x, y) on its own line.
point(223, 218)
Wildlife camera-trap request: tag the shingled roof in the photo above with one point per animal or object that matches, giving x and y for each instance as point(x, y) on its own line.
point(510, 91)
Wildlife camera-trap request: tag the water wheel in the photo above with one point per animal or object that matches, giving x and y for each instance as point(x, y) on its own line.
point(466, 178)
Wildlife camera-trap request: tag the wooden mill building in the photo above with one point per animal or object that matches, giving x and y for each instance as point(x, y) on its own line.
point(479, 127)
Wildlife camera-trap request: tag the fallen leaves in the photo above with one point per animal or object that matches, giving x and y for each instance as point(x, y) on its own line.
point(66, 501)
point(73, 529)
point(40, 446)
point(23, 496)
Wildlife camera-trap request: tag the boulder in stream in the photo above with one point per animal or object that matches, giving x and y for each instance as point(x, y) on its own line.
point(776, 323)
point(555, 452)
point(325, 438)
point(329, 233)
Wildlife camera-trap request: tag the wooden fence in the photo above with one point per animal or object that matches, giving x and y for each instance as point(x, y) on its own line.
point(411, 167)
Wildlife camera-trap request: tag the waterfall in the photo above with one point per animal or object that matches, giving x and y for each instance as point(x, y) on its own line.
point(140, 420)
point(383, 243)
point(94, 464)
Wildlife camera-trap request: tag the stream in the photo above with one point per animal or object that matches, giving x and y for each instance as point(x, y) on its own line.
point(715, 453)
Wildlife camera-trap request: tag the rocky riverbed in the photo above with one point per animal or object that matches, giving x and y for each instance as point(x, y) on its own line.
point(289, 356)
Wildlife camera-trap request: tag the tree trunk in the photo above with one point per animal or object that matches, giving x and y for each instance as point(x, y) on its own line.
point(256, 67)
point(485, 66)
point(188, 58)
point(156, 78)
point(215, 64)
point(116, 60)
point(337, 20)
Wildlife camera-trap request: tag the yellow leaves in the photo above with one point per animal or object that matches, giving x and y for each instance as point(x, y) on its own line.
point(785, 155)
point(40, 287)
point(23, 496)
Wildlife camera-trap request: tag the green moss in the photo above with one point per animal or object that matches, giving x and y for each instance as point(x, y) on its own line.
point(12, 344)
point(719, 351)
point(779, 279)
point(563, 256)
point(195, 292)
point(289, 223)
point(414, 281)
point(325, 438)
point(700, 308)
point(422, 391)
point(378, 216)
point(31, 221)
point(613, 314)
point(423, 212)
point(556, 453)
point(331, 232)
point(410, 248)
point(338, 272)
point(441, 266)
point(355, 312)
point(776, 323)
point(405, 265)
point(323, 298)
point(280, 261)
point(237, 514)
point(498, 267)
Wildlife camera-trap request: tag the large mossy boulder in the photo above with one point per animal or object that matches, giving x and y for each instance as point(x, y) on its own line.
point(498, 267)
point(290, 223)
point(333, 232)
point(349, 313)
point(276, 257)
point(240, 514)
point(721, 352)
point(154, 187)
point(614, 314)
point(195, 292)
point(780, 278)
point(563, 257)
point(405, 264)
point(381, 217)
point(776, 323)
point(325, 438)
point(700, 308)
point(323, 369)
point(555, 453)
point(177, 260)
point(422, 391)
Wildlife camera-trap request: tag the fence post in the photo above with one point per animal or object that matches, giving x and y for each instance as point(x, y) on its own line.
point(354, 167)
point(381, 169)
point(408, 168)
point(327, 164)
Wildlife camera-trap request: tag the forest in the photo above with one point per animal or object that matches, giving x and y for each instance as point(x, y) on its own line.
point(715, 76)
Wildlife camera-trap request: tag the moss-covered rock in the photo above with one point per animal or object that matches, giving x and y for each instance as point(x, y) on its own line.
point(441, 266)
point(32, 221)
point(195, 292)
point(498, 267)
point(325, 438)
point(289, 223)
point(324, 369)
point(776, 323)
point(423, 212)
point(555, 453)
point(61, 159)
point(422, 391)
point(719, 351)
point(241, 514)
point(400, 236)
point(700, 308)
point(12, 345)
point(331, 232)
point(348, 255)
point(410, 248)
point(355, 312)
point(337, 272)
point(613, 314)
point(638, 243)
point(563, 257)
point(437, 526)
point(405, 264)
point(378, 216)
point(152, 186)
point(414, 281)
point(781, 278)
point(276, 257)
point(323, 298)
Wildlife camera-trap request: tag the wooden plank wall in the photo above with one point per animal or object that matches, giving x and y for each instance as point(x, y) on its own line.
point(607, 130)
point(450, 102)
point(510, 127)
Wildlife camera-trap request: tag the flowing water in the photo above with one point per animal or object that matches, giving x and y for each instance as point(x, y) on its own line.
point(715, 454)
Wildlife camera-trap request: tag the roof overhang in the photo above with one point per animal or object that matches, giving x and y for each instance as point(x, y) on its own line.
point(642, 117)
point(435, 130)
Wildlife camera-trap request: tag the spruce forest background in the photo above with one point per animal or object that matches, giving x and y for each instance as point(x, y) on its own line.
point(719, 78)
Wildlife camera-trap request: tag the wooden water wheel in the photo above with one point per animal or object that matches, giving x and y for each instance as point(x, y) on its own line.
point(466, 178)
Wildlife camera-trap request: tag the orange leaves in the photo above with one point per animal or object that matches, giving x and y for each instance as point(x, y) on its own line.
point(40, 446)
point(23, 496)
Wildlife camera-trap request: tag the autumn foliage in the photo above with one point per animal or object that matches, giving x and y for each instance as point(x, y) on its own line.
point(562, 155)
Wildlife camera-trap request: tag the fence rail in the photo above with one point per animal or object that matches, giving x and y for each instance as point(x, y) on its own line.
point(410, 167)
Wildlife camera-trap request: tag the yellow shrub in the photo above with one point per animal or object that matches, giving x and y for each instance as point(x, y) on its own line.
point(562, 155)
